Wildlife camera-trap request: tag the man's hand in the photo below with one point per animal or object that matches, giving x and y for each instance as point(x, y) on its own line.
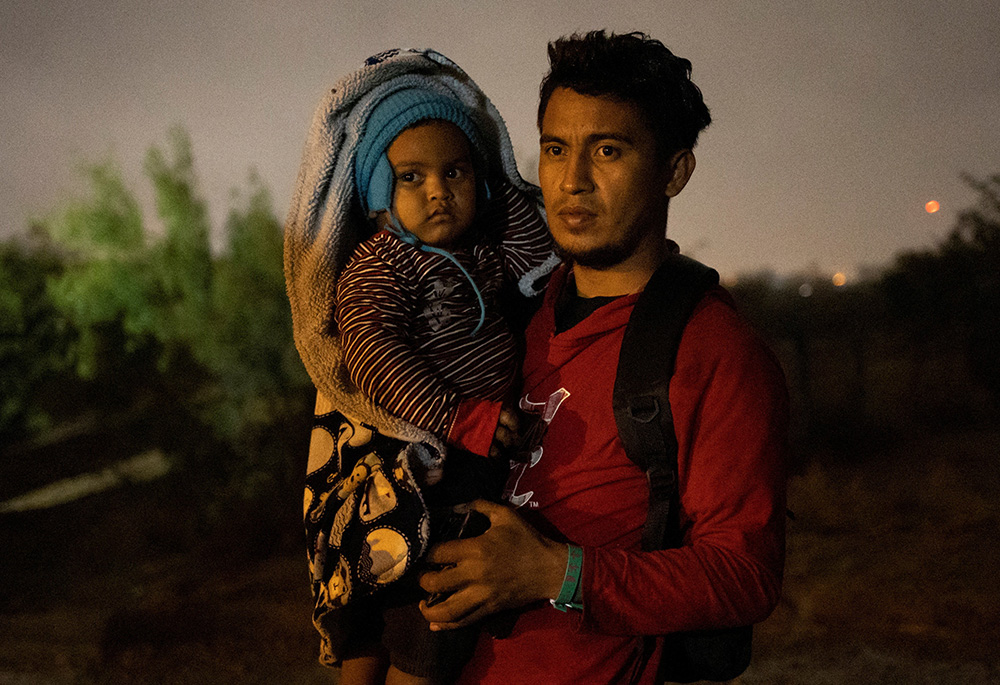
point(508, 566)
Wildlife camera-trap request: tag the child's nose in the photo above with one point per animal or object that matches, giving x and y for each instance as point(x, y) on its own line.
point(438, 189)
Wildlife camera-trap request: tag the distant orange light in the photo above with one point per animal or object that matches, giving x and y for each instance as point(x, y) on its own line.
point(839, 279)
point(932, 206)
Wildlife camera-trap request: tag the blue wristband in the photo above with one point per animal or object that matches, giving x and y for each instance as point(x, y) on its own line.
point(571, 581)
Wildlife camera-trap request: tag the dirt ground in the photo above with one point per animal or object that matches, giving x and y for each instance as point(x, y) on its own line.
point(891, 578)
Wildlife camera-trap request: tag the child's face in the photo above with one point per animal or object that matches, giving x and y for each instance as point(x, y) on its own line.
point(434, 194)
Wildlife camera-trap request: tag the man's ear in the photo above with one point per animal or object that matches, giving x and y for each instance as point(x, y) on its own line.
point(680, 167)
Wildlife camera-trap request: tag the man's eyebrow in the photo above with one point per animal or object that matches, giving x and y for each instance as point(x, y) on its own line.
point(592, 138)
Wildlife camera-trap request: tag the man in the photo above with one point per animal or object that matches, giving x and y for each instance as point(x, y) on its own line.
point(618, 119)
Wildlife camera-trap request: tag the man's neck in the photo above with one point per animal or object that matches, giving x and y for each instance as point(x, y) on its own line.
point(624, 278)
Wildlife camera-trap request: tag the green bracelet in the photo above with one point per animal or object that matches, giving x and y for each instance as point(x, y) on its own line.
point(571, 581)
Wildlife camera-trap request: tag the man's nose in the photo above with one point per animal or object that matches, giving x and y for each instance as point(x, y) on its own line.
point(577, 175)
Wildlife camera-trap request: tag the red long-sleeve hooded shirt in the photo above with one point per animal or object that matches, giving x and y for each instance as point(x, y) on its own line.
point(730, 410)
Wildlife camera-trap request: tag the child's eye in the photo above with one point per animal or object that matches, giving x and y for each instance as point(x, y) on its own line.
point(407, 177)
point(459, 172)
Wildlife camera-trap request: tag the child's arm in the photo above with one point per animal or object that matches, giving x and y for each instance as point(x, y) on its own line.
point(526, 243)
point(375, 302)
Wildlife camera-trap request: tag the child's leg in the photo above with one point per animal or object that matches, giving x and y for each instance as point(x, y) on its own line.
point(397, 677)
point(367, 667)
point(419, 656)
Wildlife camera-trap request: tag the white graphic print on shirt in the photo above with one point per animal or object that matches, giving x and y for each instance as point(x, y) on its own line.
point(548, 410)
point(436, 313)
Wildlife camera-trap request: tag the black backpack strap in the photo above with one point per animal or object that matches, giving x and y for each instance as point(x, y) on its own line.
point(645, 424)
point(641, 401)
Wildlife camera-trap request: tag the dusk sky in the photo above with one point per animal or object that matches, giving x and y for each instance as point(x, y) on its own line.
point(835, 122)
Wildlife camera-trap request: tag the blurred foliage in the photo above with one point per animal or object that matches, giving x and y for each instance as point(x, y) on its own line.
point(34, 338)
point(145, 325)
point(180, 262)
point(221, 318)
point(104, 279)
point(248, 306)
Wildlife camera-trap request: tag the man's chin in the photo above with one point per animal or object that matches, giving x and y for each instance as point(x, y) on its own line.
point(598, 258)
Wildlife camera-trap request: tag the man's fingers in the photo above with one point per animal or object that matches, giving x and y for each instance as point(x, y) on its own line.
point(446, 553)
point(467, 621)
point(446, 579)
point(456, 610)
point(492, 510)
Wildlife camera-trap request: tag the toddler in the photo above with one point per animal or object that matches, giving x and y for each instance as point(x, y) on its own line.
point(420, 321)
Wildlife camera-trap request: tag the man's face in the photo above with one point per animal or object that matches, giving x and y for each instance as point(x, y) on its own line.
point(434, 189)
point(603, 183)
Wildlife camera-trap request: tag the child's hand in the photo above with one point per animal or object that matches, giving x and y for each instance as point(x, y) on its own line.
point(506, 436)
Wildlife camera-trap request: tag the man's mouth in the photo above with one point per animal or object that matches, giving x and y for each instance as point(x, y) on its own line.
point(575, 217)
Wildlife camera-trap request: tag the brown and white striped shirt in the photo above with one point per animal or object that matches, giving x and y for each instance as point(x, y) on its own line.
point(406, 316)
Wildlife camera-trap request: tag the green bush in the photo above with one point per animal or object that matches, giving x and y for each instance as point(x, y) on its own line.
point(153, 319)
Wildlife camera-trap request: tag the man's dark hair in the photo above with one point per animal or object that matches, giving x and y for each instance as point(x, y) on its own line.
point(635, 68)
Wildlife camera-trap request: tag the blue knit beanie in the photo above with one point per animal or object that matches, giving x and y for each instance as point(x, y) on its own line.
point(373, 177)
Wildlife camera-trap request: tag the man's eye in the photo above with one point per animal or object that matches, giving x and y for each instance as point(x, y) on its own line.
point(607, 151)
point(553, 150)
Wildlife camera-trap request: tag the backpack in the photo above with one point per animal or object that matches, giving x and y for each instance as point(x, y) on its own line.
point(645, 426)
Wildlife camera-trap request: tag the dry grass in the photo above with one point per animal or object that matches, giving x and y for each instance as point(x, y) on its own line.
point(891, 571)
